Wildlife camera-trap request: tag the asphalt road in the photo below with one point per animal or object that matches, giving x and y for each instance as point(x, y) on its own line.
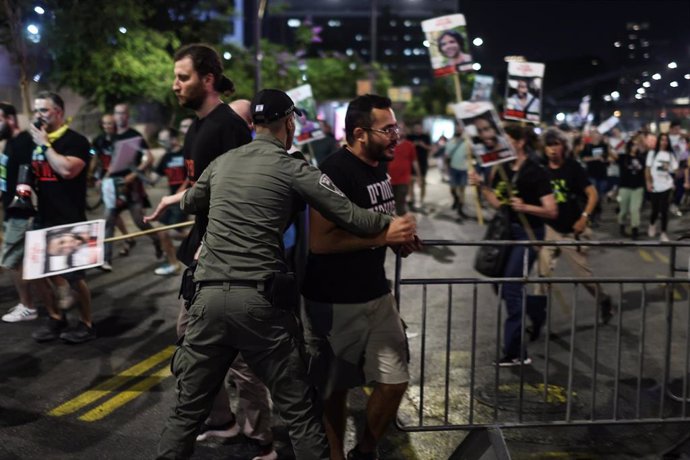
point(108, 399)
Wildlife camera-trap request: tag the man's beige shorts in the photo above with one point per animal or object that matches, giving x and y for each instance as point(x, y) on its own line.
point(367, 339)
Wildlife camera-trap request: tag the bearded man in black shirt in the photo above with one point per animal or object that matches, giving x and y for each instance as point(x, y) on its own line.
point(347, 295)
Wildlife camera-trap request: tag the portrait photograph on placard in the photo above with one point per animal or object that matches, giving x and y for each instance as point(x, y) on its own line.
point(308, 128)
point(481, 90)
point(490, 144)
point(524, 91)
point(63, 249)
point(449, 46)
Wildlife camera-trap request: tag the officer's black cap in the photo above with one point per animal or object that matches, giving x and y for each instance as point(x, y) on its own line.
point(270, 105)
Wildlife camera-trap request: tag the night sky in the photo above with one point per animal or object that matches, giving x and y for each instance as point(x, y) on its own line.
point(552, 29)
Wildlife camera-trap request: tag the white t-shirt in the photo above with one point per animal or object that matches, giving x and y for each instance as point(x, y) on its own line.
point(662, 166)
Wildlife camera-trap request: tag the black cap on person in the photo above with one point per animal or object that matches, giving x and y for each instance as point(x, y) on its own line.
point(270, 105)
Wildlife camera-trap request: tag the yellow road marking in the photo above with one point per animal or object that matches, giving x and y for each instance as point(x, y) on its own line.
point(107, 387)
point(125, 396)
point(663, 258)
point(646, 256)
point(555, 394)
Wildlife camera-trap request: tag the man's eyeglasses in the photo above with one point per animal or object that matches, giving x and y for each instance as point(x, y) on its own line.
point(42, 110)
point(390, 131)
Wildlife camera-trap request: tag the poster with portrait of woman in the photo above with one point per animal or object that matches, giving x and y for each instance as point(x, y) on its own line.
point(524, 91)
point(308, 128)
point(63, 249)
point(490, 144)
point(449, 47)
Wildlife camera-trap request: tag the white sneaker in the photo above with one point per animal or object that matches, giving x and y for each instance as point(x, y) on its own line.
point(651, 231)
point(106, 267)
point(167, 270)
point(675, 211)
point(19, 313)
point(663, 237)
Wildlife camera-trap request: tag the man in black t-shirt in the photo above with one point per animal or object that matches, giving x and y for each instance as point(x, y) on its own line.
point(59, 166)
point(348, 300)
point(571, 188)
point(596, 157)
point(18, 149)
point(127, 186)
point(172, 167)
point(198, 84)
point(422, 143)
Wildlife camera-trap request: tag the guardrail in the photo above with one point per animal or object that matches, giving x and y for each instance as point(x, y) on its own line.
point(585, 373)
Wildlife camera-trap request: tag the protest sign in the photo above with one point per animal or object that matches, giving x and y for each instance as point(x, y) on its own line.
point(490, 144)
point(481, 91)
point(607, 125)
point(524, 91)
point(308, 128)
point(124, 154)
point(63, 249)
point(448, 44)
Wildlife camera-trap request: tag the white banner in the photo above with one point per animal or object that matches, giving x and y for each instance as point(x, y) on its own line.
point(489, 142)
point(63, 249)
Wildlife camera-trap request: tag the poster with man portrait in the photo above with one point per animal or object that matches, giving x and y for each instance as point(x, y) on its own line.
point(308, 128)
point(481, 90)
point(524, 91)
point(483, 127)
point(449, 47)
point(63, 249)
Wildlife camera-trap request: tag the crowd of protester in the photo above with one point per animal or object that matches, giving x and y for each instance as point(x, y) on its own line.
point(558, 187)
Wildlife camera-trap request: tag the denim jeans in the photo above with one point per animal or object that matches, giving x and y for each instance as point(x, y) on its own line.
point(512, 292)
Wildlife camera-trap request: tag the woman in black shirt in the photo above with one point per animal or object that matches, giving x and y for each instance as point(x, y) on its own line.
point(632, 182)
point(533, 197)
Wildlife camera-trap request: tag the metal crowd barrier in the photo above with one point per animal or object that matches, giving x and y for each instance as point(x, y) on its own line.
point(633, 370)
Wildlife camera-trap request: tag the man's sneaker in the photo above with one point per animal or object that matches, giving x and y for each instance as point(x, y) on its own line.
point(675, 211)
point(226, 431)
point(663, 237)
point(651, 231)
point(79, 334)
point(50, 330)
point(19, 312)
point(507, 361)
point(356, 454)
point(106, 267)
point(267, 452)
point(167, 270)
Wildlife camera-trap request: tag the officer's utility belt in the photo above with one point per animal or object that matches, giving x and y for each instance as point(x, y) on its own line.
point(280, 289)
point(258, 285)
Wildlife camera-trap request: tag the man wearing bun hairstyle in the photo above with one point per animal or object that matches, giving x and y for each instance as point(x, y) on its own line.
point(217, 128)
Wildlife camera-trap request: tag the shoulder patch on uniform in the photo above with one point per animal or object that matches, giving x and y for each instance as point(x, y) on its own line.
point(328, 184)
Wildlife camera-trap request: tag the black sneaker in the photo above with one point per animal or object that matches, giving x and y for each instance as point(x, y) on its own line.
point(356, 454)
point(508, 361)
point(50, 330)
point(79, 334)
point(222, 432)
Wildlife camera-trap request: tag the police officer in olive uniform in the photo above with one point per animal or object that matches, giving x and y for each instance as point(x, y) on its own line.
point(250, 197)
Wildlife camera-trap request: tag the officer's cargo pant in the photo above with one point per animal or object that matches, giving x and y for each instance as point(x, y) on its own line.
point(225, 320)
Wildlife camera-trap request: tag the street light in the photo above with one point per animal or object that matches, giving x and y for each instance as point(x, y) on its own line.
point(123, 30)
point(478, 41)
point(646, 84)
point(476, 66)
point(674, 84)
point(560, 116)
point(687, 76)
point(32, 29)
point(641, 91)
point(615, 95)
point(227, 55)
point(39, 10)
point(656, 76)
point(672, 65)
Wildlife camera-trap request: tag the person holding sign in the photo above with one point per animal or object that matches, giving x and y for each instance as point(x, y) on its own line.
point(524, 188)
